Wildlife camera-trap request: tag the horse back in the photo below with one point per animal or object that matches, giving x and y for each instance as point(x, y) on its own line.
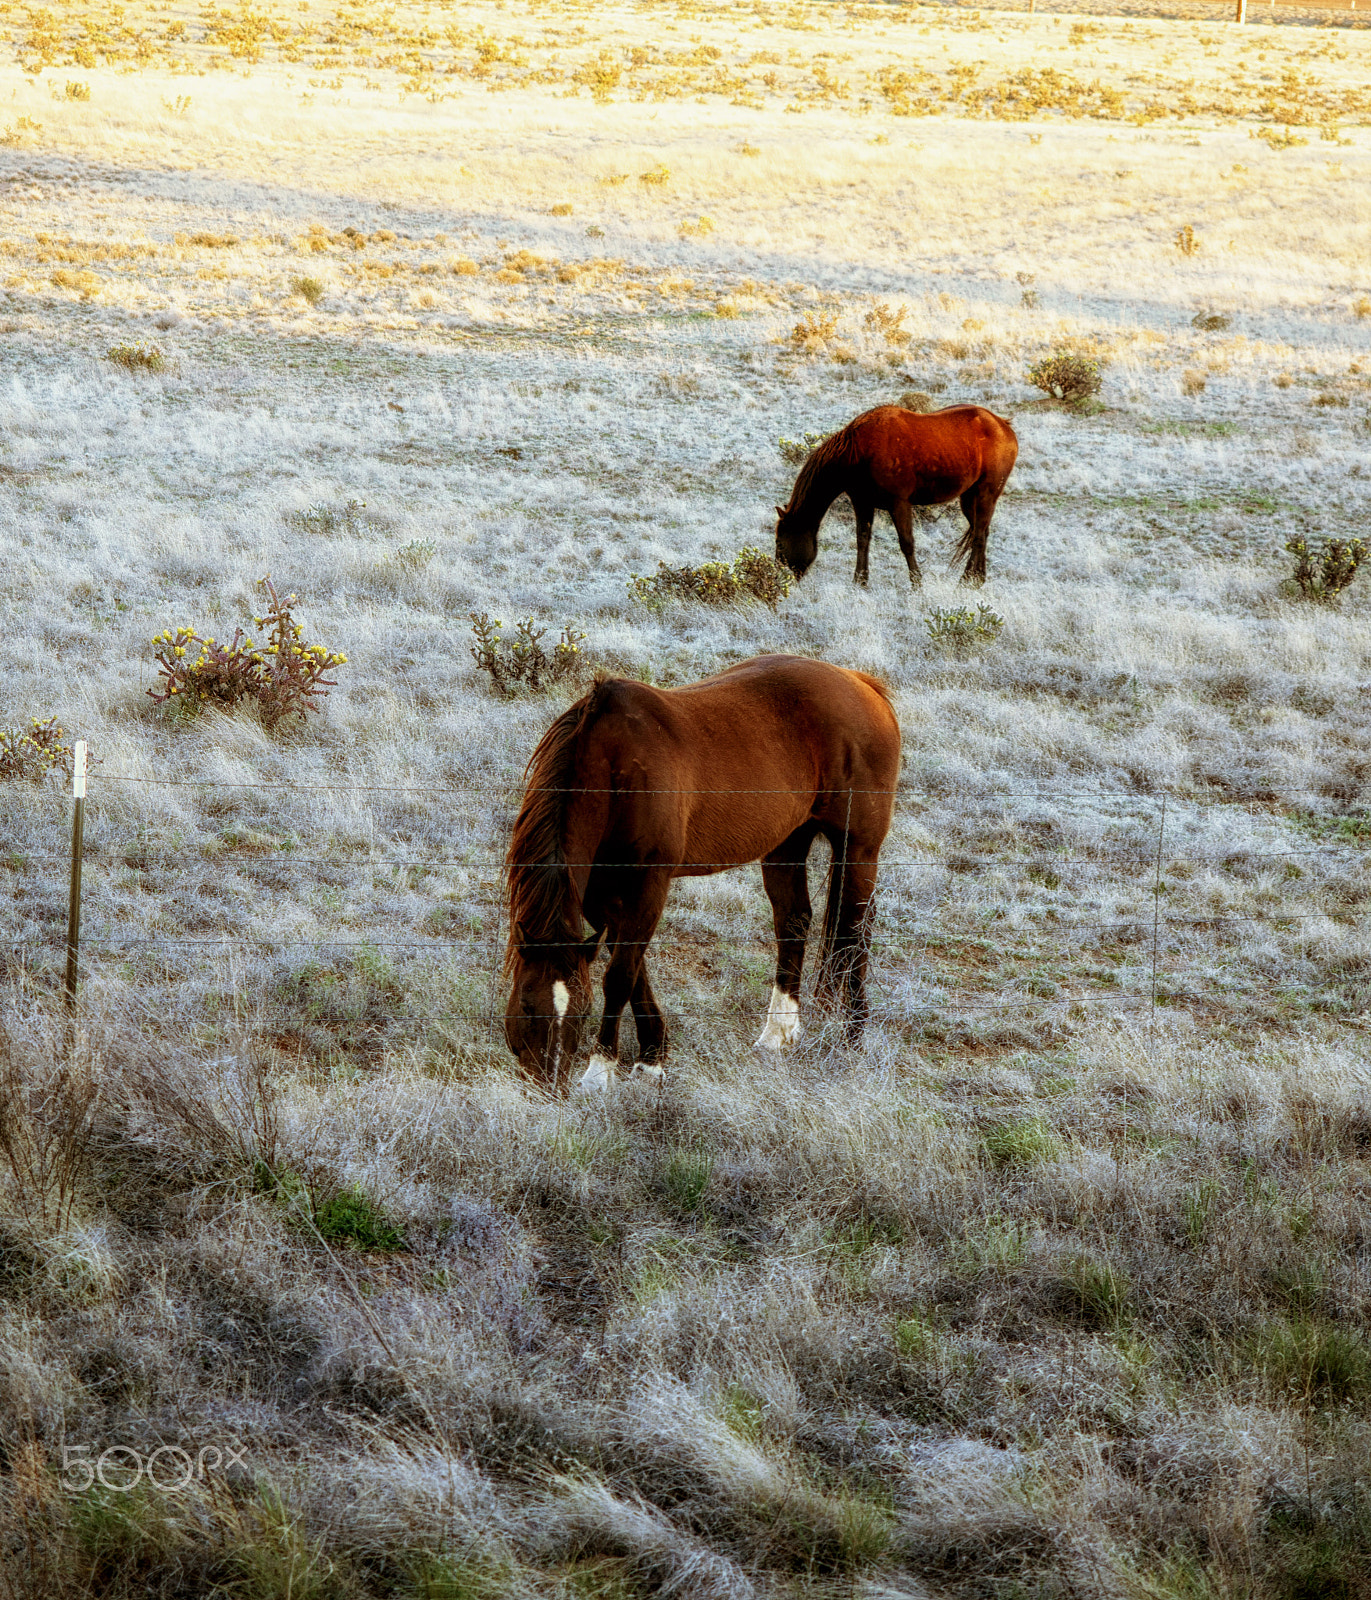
point(966, 442)
point(725, 769)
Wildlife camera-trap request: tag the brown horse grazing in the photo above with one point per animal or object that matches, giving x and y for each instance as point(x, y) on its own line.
point(891, 459)
point(633, 786)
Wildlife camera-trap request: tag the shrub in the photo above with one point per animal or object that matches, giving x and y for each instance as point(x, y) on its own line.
point(33, 752)
point(1066, 375)
point(1323, 574)
point(285, 678)
point(138, 357)
point(963, 629)
point(412, 557)
point(1193, 381)
point(814, 331)
point(523, 661)
point(1211, 321)
point(309, 289)
point(888, 321)
point(322, 518)
point(701, 228)
point(753, 576)
point(1187, 241)
point(1361, 306)
point(916, 400)
point(1284, 140)
point(656, 177)
point(76, 90)
point(795, 452)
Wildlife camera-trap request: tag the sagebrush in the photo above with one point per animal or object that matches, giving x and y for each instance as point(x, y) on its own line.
point(752, 576)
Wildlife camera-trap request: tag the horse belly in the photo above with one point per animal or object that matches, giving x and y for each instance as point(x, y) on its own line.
point(731, 836)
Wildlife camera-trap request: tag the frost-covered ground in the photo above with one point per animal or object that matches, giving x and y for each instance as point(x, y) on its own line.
point(1059, 1281)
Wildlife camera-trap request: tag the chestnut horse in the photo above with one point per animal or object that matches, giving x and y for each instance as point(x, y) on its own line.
point(633, 786)
point(891, 459)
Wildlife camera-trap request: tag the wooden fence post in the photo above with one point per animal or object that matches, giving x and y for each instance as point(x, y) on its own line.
point(78, 828)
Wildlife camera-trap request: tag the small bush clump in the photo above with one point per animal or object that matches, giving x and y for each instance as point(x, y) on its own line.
point(1322, 574)
point(310, 290)
point(285, 678)
point(1211, 321)
point(963, 629)
point(753, 576)
point(139, 357)
point(1187, 241)
point(1066, 375)
point(795, 452)
point(33, 752)
point(76, 90)
point(524, 660)
point(814, 331)
point(323, 518)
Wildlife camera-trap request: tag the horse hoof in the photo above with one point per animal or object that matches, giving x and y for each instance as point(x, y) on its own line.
point(647, 1072)
point(599, 1076)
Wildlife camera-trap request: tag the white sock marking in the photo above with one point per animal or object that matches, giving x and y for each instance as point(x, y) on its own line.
point(782, 1026)
point(650, 1074)
point(599, 1075)
point(561, 999)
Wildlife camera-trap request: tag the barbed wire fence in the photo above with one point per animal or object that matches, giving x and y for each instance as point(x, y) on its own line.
point(926, 976)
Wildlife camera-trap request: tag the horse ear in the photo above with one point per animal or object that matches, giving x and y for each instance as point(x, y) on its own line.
point(780, 511)
point(590, 947)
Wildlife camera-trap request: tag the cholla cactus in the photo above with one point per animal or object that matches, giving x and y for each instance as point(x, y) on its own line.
point(1324, 573)
point(286, 676)
point(34, 751)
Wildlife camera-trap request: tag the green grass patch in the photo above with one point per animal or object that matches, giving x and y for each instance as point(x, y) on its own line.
point(352, 1217)
point(1024, 1142)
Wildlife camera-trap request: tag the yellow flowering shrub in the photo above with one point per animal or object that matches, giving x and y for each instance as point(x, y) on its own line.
point(285, 676)
point(34, 751)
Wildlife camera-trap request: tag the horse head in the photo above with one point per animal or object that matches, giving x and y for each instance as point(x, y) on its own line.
point(796, 543)
point(548, 1008)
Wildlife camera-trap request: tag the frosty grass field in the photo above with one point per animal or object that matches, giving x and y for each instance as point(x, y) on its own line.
point(1056, 1287)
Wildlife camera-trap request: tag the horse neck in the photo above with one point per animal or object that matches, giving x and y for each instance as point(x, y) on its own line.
point(828, 482)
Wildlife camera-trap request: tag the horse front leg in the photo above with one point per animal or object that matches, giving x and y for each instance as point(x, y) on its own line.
point(865, 514)
point(903, 518)
point(786, 880)
point(625, 979)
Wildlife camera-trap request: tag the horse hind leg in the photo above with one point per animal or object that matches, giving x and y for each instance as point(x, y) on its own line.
point(847, 923)
point(865, 515)
point(903, 518)
point(978, 506)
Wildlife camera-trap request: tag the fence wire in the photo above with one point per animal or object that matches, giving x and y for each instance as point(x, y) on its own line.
point(909, 934)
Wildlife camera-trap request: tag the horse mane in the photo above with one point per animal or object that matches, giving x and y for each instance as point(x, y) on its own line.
point(544, 907)
point(833, 451)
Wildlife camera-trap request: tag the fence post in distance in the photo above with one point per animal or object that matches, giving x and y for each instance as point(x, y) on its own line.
point(78, 827)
